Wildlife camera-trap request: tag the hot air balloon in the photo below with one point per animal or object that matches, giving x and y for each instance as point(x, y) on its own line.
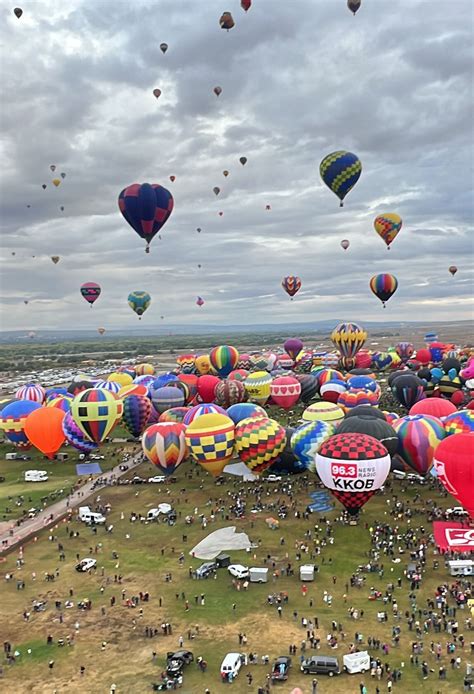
point(453, 464)
point(228, 393)
point(435, 407)
point(245, 410)
point(164, 445)
point(207, 387)
point(268, 207)
point(291, 284)
point(407, 389)
point(258, 442)
point(309, 386)
point(200, 301)
point(353, 5)
point(90, 291)
point(226, 21)
point(323, 412)
point(61, 402)
point(375, 426)
point(246, 5)
point(211, 439)
point(199, 410)
point(453, 269)
point(243, 160)
point(136, 413)
point(418, 438)
point(217, 90)
point(75, 437)
point(53, 168)
point(387, 227)
point(224, 359)
point(163, 47)
point(31, 391)
point(348, 338)
point(18, 12)
point(345, 244)
point(257, 385)
point(96, 411)
point(12, 421)
point(139, 301)
point(146, 207)
point(56, 182)
point(405, 350)
point(226, 173)
point(175, 414)
point(293, 347)
point(340, 171)
point(216, 190)
point(63, 175)
point(353, 466)
point(44, 429)
point(157, 93)
point(166, 397)
point(461, 422)
point(307, 439)
point(55, 259)
point(186, 363)
point(285, 391)
point(383, 286)
point(44, 186)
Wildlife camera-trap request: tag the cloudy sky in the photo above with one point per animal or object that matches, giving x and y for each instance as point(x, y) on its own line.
point(300, 79)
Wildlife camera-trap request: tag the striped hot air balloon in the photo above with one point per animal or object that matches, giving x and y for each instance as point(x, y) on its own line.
point(291, 284)
point(224, 359)
point(31, 391)
point(383, 286)
point(164, 445)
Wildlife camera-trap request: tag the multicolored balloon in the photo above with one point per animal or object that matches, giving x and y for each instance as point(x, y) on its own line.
point(224, 359)
point(139, 301)
point(90, 291)
point(418, 438)
point(348, 338)
point(96, 411)
point(228, 393)
point(75, 437)
point(291, 284)
point(175, 414)
point(258, 386)
point(453, 464)
point(200, 410)
point(461, 422)
point(31, 391)
point(211, 439)
point(245, 410)
point(340, 171)
point(146, 207)
point(323, 412)
point(164, 444)
point(383, 286)
point(136, 413)
point(407, 389)
point(387, 227)
point(258, 442)
point(306, 441)
point(353, 466)
point(12, 421)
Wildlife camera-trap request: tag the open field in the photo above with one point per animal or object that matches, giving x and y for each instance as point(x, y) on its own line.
point(147, 552)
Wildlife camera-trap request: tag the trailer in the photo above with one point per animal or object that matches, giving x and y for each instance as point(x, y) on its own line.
point(258, 574)
point(307, 572)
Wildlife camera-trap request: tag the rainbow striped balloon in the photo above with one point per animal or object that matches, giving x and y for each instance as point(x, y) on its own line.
point(383, 286)
point(224, 359)
point(418, 437)
point(164, 445)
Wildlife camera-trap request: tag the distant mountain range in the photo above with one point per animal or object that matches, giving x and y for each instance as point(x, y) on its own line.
point(317, 327)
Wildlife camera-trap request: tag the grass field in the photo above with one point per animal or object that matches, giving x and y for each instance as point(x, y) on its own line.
point(147, 552)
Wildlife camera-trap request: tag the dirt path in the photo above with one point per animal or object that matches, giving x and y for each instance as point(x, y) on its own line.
point(12, 535)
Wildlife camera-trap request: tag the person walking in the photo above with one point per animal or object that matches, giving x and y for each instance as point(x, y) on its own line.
point(314, 686)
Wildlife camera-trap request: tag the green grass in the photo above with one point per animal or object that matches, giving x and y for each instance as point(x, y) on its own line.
point(127, 659)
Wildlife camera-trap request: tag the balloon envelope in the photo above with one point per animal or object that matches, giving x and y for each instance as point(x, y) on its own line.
point(453, 462)
point(44, 429)
point(164, 445)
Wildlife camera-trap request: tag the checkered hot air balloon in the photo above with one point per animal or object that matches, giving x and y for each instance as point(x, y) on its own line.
point(31, 391)
point(75, 437)
point(259, 441)
point(348, 338)
point(418, 437)
point(352, 466)
point(387, 227)
point(136, 413)
point(224, 359)
point(146, 207)
point(164, 445)
point(306, 441)
point(291, 284)
point(211, 439)
point(12, 421)
point(340, 171)
point(461, 422)
point(96, 411)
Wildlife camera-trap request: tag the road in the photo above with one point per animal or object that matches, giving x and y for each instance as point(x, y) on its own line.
point(16, 535)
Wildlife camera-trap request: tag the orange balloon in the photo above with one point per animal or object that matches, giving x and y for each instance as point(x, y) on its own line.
point(45, 430)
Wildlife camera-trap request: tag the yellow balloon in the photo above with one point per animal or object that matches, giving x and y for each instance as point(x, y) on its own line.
point(56, 181)
point(210, 439)
point(203, 364)
point(258, 385)
point(144, 370)
point(121, 378)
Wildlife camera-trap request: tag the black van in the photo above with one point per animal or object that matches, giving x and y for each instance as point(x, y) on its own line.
point(321, 665)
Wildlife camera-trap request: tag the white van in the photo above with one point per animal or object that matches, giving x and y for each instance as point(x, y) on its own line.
point(90, 517)
point(231, 665)
point(154, 513)
point(36, 476)
point(461, 567)
point(356, 662)
point(258, 575)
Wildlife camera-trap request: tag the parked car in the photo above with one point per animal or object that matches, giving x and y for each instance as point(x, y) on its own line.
point(280, 668)
point(33, 512)
point(272, 478)
point(231, 665)
point(399, 474)
point(158, 479)
point(456, 511)
point(321, 665)
point(238, 571)
point(206, 569)
point(412, 477)
point(177, 660)
point(138, 480)
point(86, 564)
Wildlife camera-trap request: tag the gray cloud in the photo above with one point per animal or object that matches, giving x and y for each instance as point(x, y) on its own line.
point(393, 84)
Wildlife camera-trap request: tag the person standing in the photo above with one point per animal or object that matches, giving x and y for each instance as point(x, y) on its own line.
point(314, 685)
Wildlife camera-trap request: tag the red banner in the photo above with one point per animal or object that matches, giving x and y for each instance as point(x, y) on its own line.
point(453, 537)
